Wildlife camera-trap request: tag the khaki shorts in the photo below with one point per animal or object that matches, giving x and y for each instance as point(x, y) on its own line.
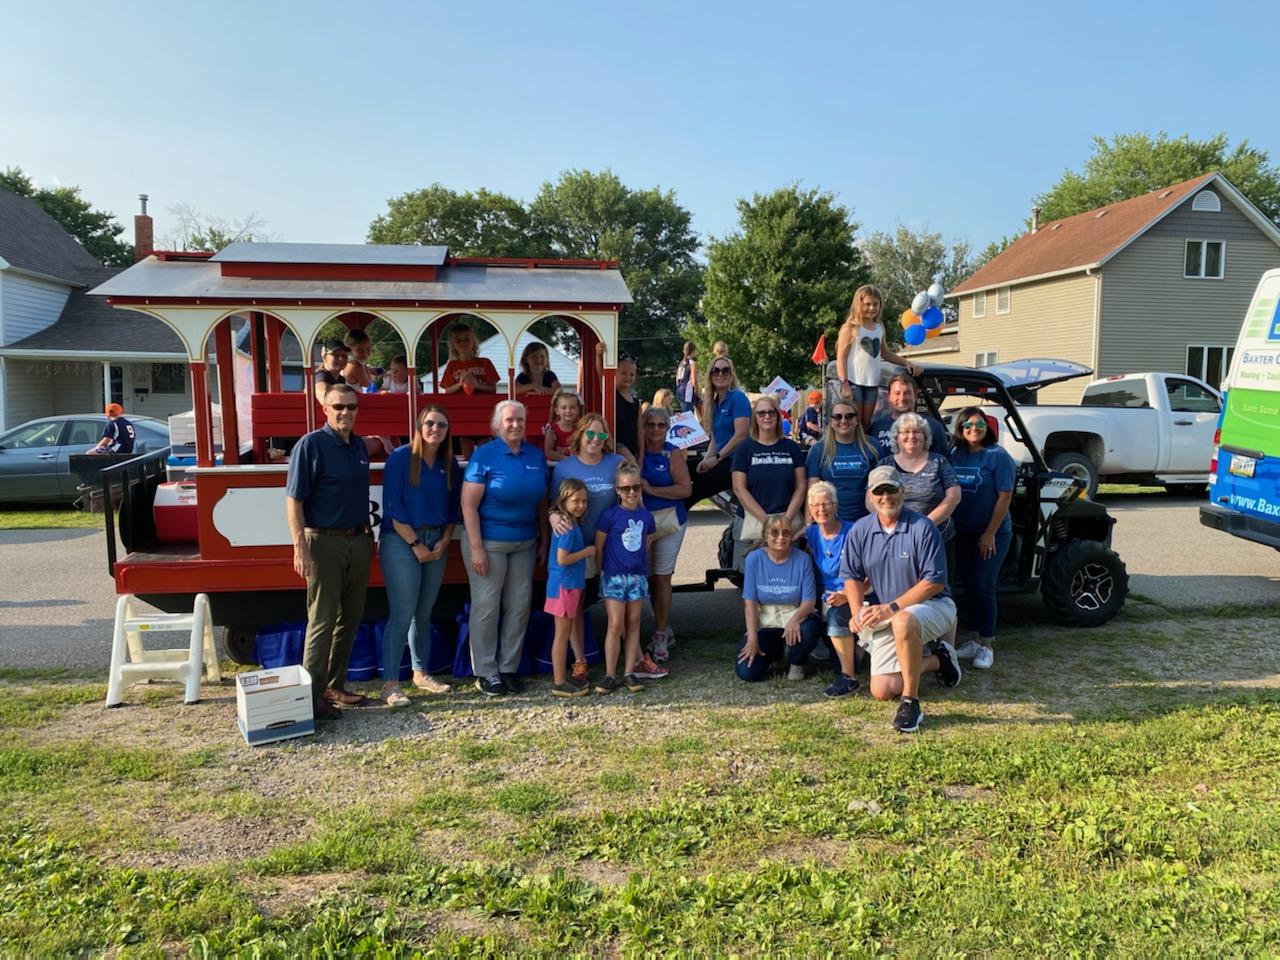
point(936, 617)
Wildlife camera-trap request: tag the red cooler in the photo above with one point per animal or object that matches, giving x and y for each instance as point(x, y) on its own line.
point(175, 512)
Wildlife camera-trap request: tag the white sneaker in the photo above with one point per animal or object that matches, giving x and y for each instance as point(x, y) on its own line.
point(984, 657)
point(968, 650)
point(795, 672)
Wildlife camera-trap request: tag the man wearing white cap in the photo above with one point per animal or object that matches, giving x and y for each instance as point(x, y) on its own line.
point(897, 554)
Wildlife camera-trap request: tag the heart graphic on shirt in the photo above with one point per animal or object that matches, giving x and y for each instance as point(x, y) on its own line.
point(633, 536)
point(871, 345)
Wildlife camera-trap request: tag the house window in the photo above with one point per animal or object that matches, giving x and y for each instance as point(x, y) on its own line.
point(1003, 297)
point(1205, 259)
point(117, 385)
point(1209, 362)
point(986, 359)
point(1207, 201)
point(168, 378)
point(980, 303)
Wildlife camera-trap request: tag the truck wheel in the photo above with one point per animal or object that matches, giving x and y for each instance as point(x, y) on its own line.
point(1079, 466)
point(239, 644)
point(1084, 583)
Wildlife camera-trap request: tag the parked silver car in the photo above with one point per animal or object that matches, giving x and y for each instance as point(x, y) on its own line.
point(33, 457)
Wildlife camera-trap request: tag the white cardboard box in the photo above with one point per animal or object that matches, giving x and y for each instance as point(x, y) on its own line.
point(274, 705)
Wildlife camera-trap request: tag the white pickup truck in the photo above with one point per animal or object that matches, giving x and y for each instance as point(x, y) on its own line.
point(1152, 428)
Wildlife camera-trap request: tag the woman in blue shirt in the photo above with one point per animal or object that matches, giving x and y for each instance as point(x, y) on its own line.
point(504, 494)
point(421, 484)
point(843, 458)
point(779, 596)
point(665, 480)
point(826, 537)
point(986, 476)
point(726, 416)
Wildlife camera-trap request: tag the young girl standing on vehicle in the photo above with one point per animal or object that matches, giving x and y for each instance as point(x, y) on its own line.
point(859, 349)
point(623, 535)
point(465, 370)
point(566, 579)
point(566, 409)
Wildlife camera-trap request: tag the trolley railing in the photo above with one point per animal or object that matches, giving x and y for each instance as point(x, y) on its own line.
point(137, 480)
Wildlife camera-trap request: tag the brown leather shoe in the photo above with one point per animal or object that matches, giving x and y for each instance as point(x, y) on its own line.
point(344, 698)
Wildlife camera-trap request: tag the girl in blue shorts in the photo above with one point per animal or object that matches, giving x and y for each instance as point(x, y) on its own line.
point(623, 534)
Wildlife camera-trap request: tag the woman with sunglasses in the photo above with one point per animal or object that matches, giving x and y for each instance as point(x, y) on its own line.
point(421, 486)
point(843, 458)
point(768, 475)
point(726, 416)
point(986, 476)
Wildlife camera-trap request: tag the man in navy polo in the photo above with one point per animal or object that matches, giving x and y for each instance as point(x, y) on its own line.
point(898, 554)
point(327, 505)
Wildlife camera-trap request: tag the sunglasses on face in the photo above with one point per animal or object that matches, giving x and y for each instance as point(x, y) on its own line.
point(974, 425)
point(885, 491)
point(595, 435)
point(844, 416)
point(716, 371)
point(342, 406)
point(436, 424)
point(777, 533)
point(766, 413)
point(629, 488)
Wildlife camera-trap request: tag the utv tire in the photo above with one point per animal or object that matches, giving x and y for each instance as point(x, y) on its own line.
point(1079, 466)
point(724, 556)
point(239, 643)
point(1084, 583)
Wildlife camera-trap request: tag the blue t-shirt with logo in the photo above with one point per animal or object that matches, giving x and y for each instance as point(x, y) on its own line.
point(981, 475)
point(790, 582)
point(514, 485)
point(848, 471)
point(573, 576)
point(598, 479)
point(771, 472)
point(734, 405)
point(826, 552)
point(626, 533)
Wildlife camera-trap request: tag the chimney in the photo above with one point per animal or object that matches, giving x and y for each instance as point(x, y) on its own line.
point(1035, 219)
point(144, 243)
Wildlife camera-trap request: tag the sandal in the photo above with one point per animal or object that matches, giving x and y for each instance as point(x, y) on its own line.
point(398, 699)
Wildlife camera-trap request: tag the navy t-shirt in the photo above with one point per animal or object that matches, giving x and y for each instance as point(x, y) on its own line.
point(981, 476)
point(771, 472)
point(121, 434)
point(624, 545)
point(848, 471)
point(879, 435)
point(548, 378)
point(331, 478)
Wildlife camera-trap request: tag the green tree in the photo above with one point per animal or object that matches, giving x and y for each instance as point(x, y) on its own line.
point(990, 251)
point(591, 215)
point(905, 262)
point(783, 279)
point(469, 224)
point(97, 230)
point(1131, 164)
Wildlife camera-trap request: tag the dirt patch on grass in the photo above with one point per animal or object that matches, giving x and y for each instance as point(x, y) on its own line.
point(278, 895)
point(204, 841)
point(968, 792)
point(825, 853)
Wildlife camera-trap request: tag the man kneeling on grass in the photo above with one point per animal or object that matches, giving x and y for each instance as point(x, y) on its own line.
point(898, 554)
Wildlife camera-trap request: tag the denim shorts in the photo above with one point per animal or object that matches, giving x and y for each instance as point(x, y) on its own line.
point(837, 620)
point(627, 587)
point(864, 396)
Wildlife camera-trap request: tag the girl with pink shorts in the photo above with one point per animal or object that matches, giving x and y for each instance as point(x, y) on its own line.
point(566, 578)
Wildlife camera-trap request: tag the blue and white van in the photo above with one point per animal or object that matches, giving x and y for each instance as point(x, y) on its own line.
point(1244, 475)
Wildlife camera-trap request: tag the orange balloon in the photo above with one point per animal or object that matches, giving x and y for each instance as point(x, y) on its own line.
point(933, 333)
point(908, 318)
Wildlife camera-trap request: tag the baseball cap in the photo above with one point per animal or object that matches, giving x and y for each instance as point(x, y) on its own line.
point(884, 476)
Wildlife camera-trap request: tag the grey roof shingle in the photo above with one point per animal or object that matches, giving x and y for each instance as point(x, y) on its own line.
point(88, 325)
point(33, 241)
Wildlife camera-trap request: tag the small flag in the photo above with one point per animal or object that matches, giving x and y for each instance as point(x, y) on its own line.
point(820, 352)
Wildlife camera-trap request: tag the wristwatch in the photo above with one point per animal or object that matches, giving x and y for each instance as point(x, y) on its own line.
point(893, 605)
point(416, 543)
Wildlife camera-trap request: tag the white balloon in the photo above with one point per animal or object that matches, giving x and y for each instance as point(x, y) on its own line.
point(920, 304)
point(936, 294)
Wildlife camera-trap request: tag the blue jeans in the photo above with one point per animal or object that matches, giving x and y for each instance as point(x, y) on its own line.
point(979, 578)
point(773, 648)
point(412, 588)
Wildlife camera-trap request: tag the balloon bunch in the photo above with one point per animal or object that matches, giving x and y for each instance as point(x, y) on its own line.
point(924, 319)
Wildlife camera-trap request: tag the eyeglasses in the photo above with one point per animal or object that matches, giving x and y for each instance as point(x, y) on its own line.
point(628, 488)
point(766, 413)
point(594, 435)
point(777, 533)
point(974, 424)
point(716, 371)
point(436, 424)
point(884, 490)
point(844, 416)
point(342, 406)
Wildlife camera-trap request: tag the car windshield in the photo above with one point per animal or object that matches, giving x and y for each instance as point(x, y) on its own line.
point(32, 435)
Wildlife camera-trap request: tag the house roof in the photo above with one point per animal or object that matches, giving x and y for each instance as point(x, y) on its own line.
point(89, 327)
point(1088, 239)
point(34, 242)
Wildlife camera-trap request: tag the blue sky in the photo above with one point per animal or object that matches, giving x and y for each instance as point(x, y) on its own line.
point(311, 115)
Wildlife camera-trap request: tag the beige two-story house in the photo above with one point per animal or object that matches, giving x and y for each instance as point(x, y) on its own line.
point(1158, 282)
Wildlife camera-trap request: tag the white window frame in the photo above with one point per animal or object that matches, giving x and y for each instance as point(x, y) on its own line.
point(986, 358)
point(1228, 354)
point(981, 297)
point(1008, 299)
point(1222, 261)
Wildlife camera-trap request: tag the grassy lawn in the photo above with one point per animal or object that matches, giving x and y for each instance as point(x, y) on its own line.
point(56, 518)
point(1099, 792)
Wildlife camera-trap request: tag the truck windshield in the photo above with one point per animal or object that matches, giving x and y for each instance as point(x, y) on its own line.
point(1116, 393)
